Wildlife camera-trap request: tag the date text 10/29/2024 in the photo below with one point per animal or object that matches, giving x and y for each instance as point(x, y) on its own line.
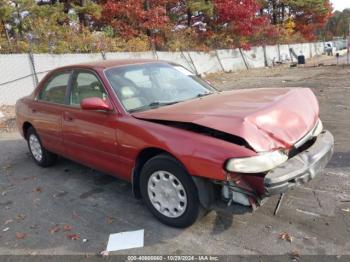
point(173, 258)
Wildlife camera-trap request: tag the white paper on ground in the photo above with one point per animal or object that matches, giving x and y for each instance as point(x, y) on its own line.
point(125, 240)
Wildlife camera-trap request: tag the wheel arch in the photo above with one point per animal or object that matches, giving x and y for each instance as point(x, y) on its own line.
point(205, 187)
point(145, 155)
point(25, 127)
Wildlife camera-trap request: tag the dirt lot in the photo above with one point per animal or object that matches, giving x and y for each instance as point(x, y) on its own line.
point(37, 203)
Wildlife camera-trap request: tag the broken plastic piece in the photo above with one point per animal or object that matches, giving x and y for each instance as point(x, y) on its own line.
point(278, 204)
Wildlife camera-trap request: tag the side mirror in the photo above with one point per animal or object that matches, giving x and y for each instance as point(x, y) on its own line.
point(95, 103)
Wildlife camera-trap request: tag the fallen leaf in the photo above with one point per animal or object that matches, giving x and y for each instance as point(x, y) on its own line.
point(75, 215)
point(294, 255)
point(54, 229)
point(110, 220)
point(346, 209)
point(7, 167)
point(67, 228)
point(73, 237)
point(104, 253)
point(6, 229)
point(8, 221)
point(38, 189)
point(29, 178)
point(20, 217)
point(20, 235)
point(285, 236)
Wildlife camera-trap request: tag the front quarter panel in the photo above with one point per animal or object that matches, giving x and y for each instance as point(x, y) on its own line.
point(202, 155)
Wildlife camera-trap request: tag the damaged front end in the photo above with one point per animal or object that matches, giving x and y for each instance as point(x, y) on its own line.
point(237, 190)
point(299, 165)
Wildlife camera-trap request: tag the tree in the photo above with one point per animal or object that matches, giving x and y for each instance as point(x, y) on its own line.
point(131, 18)
point(239, 19)
point(308, 16)
point(338, 24)
point(5, 15)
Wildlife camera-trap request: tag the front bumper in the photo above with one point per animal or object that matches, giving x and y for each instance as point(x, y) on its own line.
point(302, 167)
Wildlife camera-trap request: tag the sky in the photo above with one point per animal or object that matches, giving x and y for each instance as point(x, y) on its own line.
point(340, 4)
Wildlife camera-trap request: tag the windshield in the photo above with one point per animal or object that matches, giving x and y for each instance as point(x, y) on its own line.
point(151, 85)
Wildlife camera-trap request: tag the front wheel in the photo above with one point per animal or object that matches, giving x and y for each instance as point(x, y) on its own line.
point(41, 156)
point(169, 191)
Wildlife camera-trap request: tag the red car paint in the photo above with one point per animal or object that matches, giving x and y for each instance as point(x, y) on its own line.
point(112, 141)
point(266, 118)
point(95, 103)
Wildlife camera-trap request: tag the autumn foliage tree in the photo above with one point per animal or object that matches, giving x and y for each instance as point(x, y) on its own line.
point(311, 16)
point(338, 24)
point(303, 17)
point(139, 25)
point(239, 19)
point(131, 18)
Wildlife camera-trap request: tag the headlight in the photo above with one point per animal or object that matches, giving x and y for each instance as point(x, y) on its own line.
point(257, 164)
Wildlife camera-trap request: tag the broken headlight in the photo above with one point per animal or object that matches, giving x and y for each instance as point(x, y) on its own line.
point(256, 164)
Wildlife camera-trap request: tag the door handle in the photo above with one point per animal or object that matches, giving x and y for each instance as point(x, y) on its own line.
point(67, 117)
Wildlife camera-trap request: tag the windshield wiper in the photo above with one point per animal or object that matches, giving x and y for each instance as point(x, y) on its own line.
point(204, 94)
point(154, 104)
point(159, 103)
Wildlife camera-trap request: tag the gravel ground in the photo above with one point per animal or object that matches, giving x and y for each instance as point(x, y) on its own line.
point(7, 119)
point(37, 204)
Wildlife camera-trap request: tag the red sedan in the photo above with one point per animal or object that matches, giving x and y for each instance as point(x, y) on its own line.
point(182, 144)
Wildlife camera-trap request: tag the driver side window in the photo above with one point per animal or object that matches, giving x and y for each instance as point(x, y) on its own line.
point(86, 85)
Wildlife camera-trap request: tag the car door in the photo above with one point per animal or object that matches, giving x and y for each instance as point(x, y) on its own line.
point(48, 108)
point(90, 136)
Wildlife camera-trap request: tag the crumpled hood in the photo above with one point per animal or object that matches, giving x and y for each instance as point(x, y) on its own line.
point(267, 118)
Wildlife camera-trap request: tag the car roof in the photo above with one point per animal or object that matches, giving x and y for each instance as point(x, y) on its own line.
point(103, 64)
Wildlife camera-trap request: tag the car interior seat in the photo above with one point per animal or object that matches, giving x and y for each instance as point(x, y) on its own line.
point(127, 92)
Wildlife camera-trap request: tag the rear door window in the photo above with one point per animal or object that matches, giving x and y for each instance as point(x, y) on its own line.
point(54, 90)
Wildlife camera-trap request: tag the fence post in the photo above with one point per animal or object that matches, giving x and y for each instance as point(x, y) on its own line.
point(221, 65)
point(103, 54)
point(265, 56)
point(310, 49)
point(155, 54)
point(191, 61)
point(348, 48)
point(245, 62)
point(32, 67)
point(279, 52)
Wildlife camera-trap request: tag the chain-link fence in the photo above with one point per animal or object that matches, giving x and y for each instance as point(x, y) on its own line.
point(20, 73)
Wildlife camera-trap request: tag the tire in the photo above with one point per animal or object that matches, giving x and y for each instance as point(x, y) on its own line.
point(171, 212)
point(41, 156)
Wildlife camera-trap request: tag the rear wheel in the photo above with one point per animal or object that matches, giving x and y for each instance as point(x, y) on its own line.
point(169, 191)
point(41, 156)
